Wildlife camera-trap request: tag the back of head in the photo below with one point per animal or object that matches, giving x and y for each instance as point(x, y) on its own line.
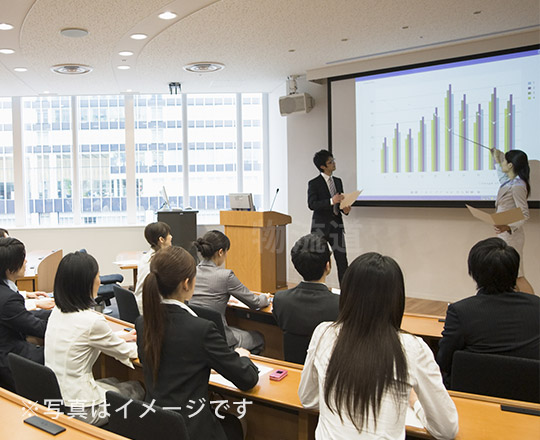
point(212, 242)
point(371, 307)
point(520, 163)
point(74, 282)
point(494, 265)
point(320, 158)
point(4, 233)
point(12, 255)
point(154, 231)
point(169, 267)
point(309, 255)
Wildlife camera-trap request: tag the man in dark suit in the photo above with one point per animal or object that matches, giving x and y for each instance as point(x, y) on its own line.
point(300, 309)
point(497, 320)
point(325, 193)
point(15, 321)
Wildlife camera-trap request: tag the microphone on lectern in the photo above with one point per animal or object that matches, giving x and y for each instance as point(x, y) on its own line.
point(274, 201)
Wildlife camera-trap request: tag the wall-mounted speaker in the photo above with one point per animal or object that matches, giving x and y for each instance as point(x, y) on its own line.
point(298, 102)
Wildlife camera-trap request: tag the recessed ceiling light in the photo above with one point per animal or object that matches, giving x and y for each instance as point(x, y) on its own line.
point(167, 15)
point(123, 67)
point(71, 69)
point(74, 32)
point(129, 90)
point(46, 92)
point(204, 67)
point(125, 53)
point(139, 36)
point(7, 51)
point(5, 27)
point(20, 69)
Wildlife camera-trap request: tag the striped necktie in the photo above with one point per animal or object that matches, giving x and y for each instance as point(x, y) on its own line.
point(333, 192)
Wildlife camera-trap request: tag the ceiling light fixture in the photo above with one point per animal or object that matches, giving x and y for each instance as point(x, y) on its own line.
point(71, 69)
point(74, 32)
point(20, 69)
point(204, 67)
point(168, 15)
point(5, 27)
point(123, 67)
point(7, 51)
point(139, 36)
point(125, 53)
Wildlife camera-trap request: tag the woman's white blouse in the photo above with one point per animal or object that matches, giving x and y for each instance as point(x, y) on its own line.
point(437, 410)
point(73, 342)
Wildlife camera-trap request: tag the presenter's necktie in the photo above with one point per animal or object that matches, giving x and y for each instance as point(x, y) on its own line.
point(333, 192)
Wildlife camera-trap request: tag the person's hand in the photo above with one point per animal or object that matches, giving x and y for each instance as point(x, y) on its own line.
point(129, 336)
point(36, 295)
point(497, 154)
point(346, 210)
point(499, 229)
point(46, 304)
point(412, 398)
point(337, 198)
point(242, 352)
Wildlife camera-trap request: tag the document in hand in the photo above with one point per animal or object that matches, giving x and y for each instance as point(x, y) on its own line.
point(349, 198)
point(499, 218)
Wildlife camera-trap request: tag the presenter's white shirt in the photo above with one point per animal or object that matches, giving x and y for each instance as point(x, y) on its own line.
point(73, 342)
point(436, 409)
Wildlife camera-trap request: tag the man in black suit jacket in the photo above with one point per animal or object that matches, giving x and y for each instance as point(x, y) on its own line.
point(15, 321)
point(325, 193)
point(497, 320)
point(300, 309)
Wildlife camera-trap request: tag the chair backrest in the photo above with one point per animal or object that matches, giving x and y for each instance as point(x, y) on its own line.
point(125, 419)
point(210, 315)
point(295, 347)
point(34, 381)
point(127, 304)
point(496, 375)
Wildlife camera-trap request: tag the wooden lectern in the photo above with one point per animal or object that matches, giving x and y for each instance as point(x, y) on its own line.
point(258, 254)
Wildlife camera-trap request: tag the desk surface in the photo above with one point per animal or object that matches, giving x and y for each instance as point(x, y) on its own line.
point(480, 417)
point(12, 414)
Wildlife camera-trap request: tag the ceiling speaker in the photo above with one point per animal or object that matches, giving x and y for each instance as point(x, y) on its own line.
point(298, 102)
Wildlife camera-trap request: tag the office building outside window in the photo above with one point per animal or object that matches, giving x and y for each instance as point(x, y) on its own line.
point(7, 193)
point(252, 137)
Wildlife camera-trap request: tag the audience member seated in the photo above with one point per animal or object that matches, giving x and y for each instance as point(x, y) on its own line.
point(4, 233)
point(215, 285)
point(75, 337)
point(178, 349)
point(300, 309)
point(16, 323)
point(158, 235)
point(360, 371)
point(498, 319)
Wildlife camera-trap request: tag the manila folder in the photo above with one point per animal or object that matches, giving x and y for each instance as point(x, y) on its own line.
point(499, 218)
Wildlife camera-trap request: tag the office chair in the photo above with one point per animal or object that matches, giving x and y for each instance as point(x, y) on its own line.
point(295, 347)
point(35, 382)
point(106, 292)
point(161, 424)
point(127, 304)
point(496, 375)
point(210, 315)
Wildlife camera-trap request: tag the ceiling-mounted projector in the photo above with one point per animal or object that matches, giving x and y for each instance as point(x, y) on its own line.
point(296, 102)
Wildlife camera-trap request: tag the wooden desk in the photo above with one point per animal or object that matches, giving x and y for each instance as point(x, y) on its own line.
point(12, 426)
point(129, 260)
point(40, 271)
point(276, 412)
point(428, 327)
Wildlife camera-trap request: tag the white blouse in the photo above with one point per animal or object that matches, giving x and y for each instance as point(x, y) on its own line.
point(437, 411)
point(73, 342)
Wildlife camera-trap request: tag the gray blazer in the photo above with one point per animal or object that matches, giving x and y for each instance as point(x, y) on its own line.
point(214, 286)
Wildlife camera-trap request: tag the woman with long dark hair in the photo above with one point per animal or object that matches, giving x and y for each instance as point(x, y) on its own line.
point(215, 285)
point(158, 235)
point(75, 337)
point(178, 349)
point(513, 170)
point(360, 370)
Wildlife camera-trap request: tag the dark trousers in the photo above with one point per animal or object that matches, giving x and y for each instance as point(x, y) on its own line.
point(334, 232)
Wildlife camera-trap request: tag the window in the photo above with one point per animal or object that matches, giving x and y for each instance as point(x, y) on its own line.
point(102, 160)
point(158, 153)
point(48, 157)
point(252, 135)
point(7, 199)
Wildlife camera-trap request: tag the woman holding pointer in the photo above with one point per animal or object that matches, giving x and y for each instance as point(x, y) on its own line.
point(513, 170)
